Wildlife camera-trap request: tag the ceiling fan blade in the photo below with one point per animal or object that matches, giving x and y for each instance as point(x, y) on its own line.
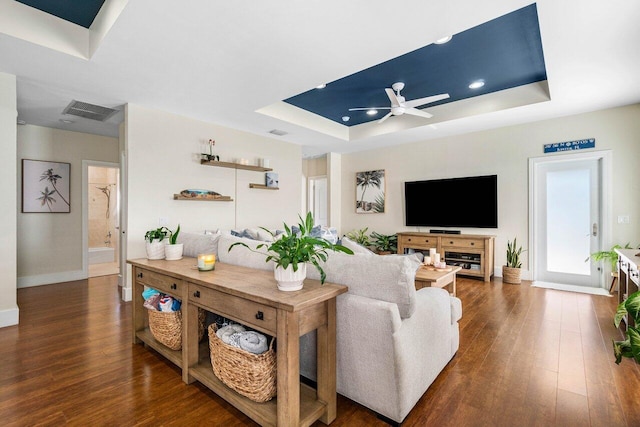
point(416, 112)
point(427, 100)
point(389, 114)
point(392, 97)
point(369, 108)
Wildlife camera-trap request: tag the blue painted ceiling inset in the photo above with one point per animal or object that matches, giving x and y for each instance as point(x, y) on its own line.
point(81, 12)
point(505, 52)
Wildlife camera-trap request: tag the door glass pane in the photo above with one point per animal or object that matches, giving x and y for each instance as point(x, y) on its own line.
point(568, 221)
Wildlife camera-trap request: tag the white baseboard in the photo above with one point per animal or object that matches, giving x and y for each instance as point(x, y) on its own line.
point(47, 279)
point(127, 294)
point(9, 317)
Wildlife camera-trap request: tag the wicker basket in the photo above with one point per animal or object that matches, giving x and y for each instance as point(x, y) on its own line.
point(251, 375)
point(166, 327)
point(511, 275)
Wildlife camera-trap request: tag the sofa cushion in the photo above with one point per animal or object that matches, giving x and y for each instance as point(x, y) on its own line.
point(383, 278)
point(195, 243)
point(240, 255)
point(357, 248)
point(456, 310)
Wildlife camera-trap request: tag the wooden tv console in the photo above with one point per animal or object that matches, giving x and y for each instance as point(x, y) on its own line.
point(250, 297)
point(472, 252)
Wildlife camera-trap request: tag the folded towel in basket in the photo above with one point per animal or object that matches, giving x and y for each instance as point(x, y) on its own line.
point(226, 332)
point(253, 342)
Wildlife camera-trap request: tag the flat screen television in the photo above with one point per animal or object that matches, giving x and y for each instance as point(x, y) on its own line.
point(453, 202)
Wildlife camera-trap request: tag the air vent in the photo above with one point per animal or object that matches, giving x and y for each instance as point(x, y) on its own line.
point(277, 132)
point(89, 111)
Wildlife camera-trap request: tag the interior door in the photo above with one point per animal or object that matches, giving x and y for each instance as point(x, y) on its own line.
point(567, 215)
point(318, 199)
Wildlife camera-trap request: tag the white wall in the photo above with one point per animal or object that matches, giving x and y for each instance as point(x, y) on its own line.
point(504, 152)
point(163, 159)
point(50, 245)
point(8, 183)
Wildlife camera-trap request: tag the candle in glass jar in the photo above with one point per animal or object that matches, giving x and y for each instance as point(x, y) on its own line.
point(432, 253)
point(427, 260)
point(206, 262)
point(436, 259)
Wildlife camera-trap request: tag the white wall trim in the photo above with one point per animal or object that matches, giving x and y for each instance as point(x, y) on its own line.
point(127, 294)
point(9, 317)
point(606, 157)
point(48, 279)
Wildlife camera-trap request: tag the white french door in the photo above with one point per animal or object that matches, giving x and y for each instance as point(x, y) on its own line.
point(567, 219)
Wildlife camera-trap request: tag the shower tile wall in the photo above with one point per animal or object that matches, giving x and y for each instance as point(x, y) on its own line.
point(102, 211)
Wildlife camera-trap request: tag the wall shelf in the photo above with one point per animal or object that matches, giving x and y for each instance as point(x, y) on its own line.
point(234, 166)
point(262, 187)
point(204, 199)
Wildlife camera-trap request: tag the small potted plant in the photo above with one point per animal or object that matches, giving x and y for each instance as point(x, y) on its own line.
point(511, 271)
point(630, 347)
point(291, 251)
point(359, 236)
point(173, 250)
point(155, 242)
point(384, 244)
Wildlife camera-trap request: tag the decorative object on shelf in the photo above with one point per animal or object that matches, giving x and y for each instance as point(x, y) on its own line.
point(200, 195)
point(50, 196)
point(206, 262)
point(271, 180)
point(265, 163)
point(155, 242)
point(210, 157)
point(292, 250)
point(384, 244)
point(373, 200)
point(630, 347)
point(511, 271)
point(173, 250)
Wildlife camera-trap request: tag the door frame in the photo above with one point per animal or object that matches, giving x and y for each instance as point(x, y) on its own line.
point(311, 194)
point(85, 212)
point(606, 159)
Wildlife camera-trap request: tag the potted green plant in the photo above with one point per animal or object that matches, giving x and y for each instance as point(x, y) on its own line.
point(610, 257)
point(173, 250)
point(630, 347)
point(291, 251)
point(511, 271)
point(155, 242)
point(384, 244)
point(359, 236)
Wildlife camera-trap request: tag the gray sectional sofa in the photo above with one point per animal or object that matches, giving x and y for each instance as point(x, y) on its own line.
point(392, 341)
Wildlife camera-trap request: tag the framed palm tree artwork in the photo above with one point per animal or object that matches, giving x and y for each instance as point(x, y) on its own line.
point(370, 189)
point(45, 186)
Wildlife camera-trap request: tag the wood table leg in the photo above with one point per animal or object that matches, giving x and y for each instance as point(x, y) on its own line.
point(454, 284)
point(288, 365)
point(326, 363)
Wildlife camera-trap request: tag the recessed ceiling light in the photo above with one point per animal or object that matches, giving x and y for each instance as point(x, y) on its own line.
point(345, 118)
point(277, 132)
point(477, 84)
point(372, 112)
point(443, 40)
point(322, 86)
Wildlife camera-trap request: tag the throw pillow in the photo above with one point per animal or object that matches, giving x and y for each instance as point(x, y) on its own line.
point(356, 247)
point(195, 244)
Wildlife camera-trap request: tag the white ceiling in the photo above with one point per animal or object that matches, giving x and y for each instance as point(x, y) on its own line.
point(221, 61)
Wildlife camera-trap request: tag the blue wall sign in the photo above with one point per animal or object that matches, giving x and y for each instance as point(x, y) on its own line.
point(570, 145)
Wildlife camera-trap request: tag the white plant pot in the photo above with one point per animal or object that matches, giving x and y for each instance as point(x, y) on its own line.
point(173, 252)
point(289, 280)
point(155, 250)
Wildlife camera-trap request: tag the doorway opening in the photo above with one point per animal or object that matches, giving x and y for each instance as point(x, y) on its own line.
point(103, 216)
point(569, 201)
point(318, 199)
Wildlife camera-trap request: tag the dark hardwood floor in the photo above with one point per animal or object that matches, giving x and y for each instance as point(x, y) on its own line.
point(528, 357)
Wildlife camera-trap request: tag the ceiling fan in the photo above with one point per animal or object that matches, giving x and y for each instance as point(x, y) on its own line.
point(400, 106)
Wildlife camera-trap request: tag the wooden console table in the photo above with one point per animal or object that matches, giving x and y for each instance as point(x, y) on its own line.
point(628, 279)
point(474, 253)
point(250, 297)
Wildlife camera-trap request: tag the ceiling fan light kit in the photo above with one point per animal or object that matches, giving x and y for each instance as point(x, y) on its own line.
point(400, 106)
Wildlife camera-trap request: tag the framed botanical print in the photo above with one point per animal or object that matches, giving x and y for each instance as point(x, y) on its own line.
point(370, 191)
point(45, 186)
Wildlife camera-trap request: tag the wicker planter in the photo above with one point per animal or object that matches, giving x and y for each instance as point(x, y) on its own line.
point(511, 275)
